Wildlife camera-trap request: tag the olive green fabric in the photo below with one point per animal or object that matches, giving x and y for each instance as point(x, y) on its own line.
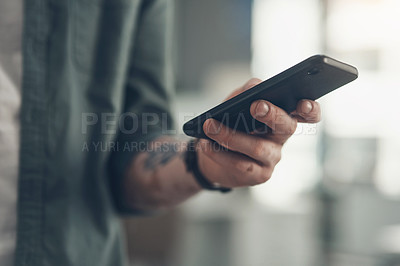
point(85, 59)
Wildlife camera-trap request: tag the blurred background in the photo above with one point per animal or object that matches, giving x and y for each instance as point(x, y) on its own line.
point(334, 199)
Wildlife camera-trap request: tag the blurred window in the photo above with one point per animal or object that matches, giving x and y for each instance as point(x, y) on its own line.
point(364, 33)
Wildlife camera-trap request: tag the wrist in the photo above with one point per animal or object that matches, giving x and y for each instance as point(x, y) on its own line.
point(192, 166)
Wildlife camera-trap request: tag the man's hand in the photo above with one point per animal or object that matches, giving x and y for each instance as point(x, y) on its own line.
point(159, 178)
point(251, 158)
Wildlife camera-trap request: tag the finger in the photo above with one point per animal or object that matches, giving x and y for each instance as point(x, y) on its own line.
point(248, 85)
point(251, 83)
point(281, 123)
point(260, 149)
point(233, 169)
point(307, 111)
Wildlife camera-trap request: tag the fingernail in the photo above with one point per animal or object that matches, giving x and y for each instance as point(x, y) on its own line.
point(261, 109)
point(212, 128)
point(307, 107)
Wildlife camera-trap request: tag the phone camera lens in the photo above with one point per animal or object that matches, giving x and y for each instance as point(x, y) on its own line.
point(313, 71)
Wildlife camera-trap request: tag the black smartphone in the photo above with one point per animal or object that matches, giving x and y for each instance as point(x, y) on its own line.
point(309, 79)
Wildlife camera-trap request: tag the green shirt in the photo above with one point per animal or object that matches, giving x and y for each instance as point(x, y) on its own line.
point(85, 59)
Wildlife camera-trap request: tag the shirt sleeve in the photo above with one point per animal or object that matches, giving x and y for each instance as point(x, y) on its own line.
point(147, 112)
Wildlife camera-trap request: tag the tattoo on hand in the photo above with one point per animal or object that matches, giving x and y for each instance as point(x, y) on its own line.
point(161, 154)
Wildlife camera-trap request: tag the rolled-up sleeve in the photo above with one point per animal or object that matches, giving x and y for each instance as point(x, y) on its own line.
point(147, 112)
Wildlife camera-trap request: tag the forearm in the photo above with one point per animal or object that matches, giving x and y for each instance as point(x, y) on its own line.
point(157, 178)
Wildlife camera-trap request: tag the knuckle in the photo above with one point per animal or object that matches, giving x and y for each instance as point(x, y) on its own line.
point(292, 127)
point(265, 176)
point(269, 153)
point(272, 156)
point(245, 167)
point(262, 178)
point(257, 176)
point(259, 149)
